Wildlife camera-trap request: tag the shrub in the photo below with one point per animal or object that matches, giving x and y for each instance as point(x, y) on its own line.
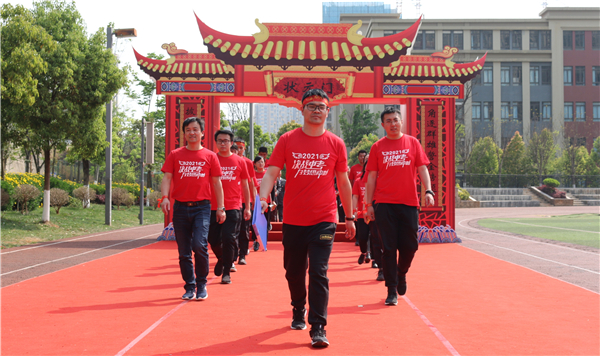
point(120, 196)
point(551, 182)
point(26, 193)
point(101, 199)
point(10, 191)
point(129, 200)
point(58, 199)
point(84, 194)
point(5, 198)
point(66, 185)
point(154, 197)
point(99, 188)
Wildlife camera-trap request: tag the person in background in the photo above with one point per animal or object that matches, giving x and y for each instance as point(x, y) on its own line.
point(263, 152)
point(259, 164)
point(244, 235)
point(357, 169)
point(279, 194)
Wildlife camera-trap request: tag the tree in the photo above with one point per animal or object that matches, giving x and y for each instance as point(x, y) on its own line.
point(23, 43)
point(363, 123)
point(540, 151)
point(242, 129)
point(574, 160)
point(483, 159)
point(237, 112)
point(364, 144)
point(514, 155)
point(595, 155)
point(288, 126)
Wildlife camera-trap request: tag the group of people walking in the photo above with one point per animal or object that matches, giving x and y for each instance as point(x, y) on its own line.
point(213, 195)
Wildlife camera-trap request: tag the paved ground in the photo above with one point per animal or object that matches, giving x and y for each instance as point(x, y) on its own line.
point(578, 265)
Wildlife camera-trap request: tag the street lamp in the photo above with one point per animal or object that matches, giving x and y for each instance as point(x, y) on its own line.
point(121, 33)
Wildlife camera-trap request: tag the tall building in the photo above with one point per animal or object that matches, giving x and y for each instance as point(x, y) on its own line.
point(539, 73)
point(333, 10)
point(271, 117)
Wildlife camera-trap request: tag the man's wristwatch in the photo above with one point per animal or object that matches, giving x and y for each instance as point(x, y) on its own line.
point(223, 208)
point(351, 218)
point(430, 192)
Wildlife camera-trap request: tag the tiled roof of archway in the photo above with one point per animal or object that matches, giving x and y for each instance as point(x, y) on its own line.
point(184, 65)
point(307, 45)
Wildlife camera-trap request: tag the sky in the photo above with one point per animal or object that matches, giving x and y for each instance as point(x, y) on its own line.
point(159, 22)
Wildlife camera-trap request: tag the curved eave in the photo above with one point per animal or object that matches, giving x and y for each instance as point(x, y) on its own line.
point(160, 68)
point(307, 51)
point(462, 72)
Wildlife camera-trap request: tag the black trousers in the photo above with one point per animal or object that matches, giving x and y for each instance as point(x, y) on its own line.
point(244, 234)
point(397, 225)
point(362, 235)
point(375, 243)
point(222, 237)
point(308, 247)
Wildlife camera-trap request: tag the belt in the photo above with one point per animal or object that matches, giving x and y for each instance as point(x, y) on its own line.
point(193, 203)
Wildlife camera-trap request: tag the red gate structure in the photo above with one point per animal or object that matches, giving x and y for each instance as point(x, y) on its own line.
point(281, 61)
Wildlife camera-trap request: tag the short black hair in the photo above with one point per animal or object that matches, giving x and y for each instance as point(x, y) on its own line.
point(234, 147)
point(262, 149)
point(317, 92)
point(189, 120)
point(258, 158)
point(239, 139)
point(361, 151)
point(224, 132)
point(391, 110)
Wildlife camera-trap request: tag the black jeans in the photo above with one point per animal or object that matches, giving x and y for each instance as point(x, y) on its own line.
point(308, 247)
point(222, 237)
point(362, 234)
point(243, 235)
point(375, 242)
point(190, 224)
point(398, 225)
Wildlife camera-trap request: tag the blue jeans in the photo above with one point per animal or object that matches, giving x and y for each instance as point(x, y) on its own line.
point(190, 225)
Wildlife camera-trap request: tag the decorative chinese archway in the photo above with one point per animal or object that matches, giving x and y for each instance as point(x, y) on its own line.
point(280, 62)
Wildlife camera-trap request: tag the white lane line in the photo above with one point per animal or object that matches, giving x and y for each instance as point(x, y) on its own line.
point(548, 227)
point(527, 254)
point(155, 325)
point(71, 256)
point(79, 238)
point(435, 330)
point(528, 240)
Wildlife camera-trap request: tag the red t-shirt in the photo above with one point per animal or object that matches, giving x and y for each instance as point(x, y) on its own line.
point(355, 172)
point(192, 172)
point(234, 170)
point(396, 162)
point(359, 189)
point(259, 178)
point(311, 165)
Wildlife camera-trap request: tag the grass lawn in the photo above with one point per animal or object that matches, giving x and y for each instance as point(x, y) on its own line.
point(580, 229)
point(19, 229)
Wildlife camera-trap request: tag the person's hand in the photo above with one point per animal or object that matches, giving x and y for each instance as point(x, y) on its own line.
point(350, 229)
point(247, 214)
point(371, 213)
point(429, 200)
point(165, 205)
point(221, 216)
point(273, 206)
point(263, 206)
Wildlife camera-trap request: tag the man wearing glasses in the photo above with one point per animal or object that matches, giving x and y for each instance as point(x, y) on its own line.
point(244, 230)
point(313, 156)
point(222, 237)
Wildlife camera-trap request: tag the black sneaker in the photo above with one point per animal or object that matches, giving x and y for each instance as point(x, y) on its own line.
point(189, 294)
point(318, 336)
point(242, 261)
point(298, 319)
point(361, 258)
point(232, 269)
point(368, 257)
point(202, 293)
point(226, 279)
point(380, 276)
point(218, 268)
point(392, 298)
point(374, 264)
point(401, 285)
point(256, 246)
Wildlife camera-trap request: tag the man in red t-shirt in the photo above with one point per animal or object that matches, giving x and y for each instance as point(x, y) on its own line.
point(263, 152)
point(392, 198)
point(191, 175)
point(222, 237)
point(357, 169)
point(244, 234)
point(313, 156)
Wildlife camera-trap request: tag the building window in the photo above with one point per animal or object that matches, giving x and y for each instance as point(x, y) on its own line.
point(580, 111)
point(488, 77)
point(595, 39)
point(459, 106)
point(425, 40)
point(540, 75)
point(546, 75)
point(534, 75)
point(488, 110)
point(596, 111)
point(580, 75)
point(504, 110)
point(595, 76)
point(389, 32)
point(516, 110)
point(510, 75)
point(453, 39)
point(568, 111)
point(534, 110)
point(481, 39)
point(568, 75)
point(510, 39)
point(546, 111)
point(516, 75)
point(580, 40)
point(539, 39)
point(505, 75)
point(476, 111)
point(567, 40)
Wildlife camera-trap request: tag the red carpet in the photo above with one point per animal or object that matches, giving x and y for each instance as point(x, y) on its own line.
point(478, 305)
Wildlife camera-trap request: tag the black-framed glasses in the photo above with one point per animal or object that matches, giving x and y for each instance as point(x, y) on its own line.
point(223, 142)
point(314, 107)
